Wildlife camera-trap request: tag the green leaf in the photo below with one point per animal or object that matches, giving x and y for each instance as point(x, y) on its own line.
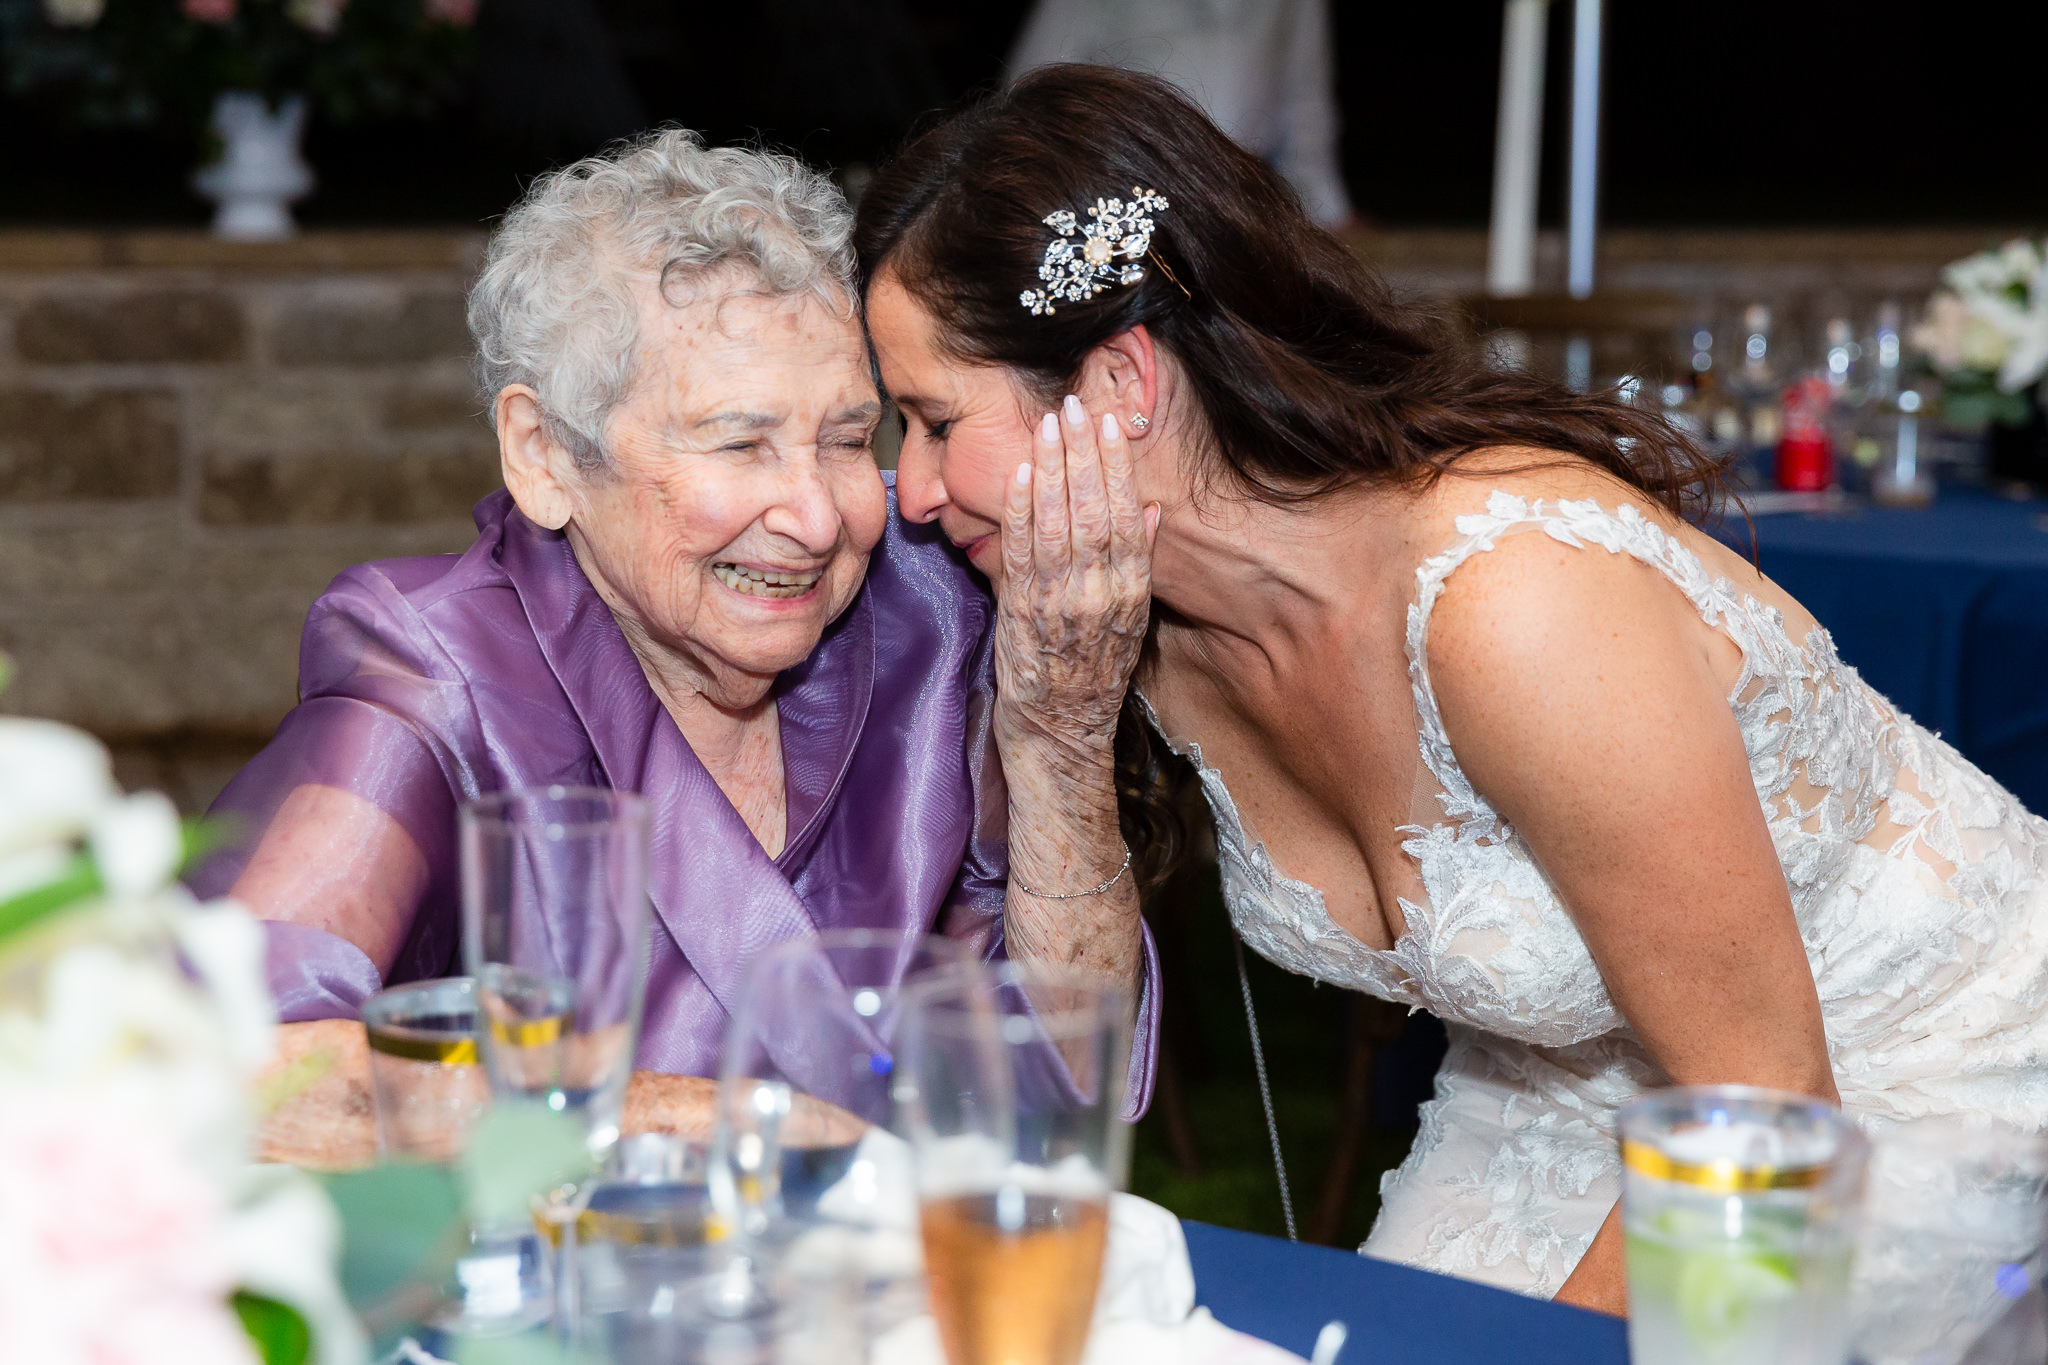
point(202, 836)
point(519, 1150)
point(402, 1225)
point(280, 1334)
point(78, 883)
point(525, 1349)
point(1973, 408)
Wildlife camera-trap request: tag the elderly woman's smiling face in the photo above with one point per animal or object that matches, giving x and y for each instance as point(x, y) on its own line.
point(741, 501)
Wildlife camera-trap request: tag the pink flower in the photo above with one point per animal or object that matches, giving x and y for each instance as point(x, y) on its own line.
point(102, 1211)
point(458, 13)
point(208, 11)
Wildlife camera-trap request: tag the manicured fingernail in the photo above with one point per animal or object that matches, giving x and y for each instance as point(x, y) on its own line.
point(1076, 414)
point(1151, 517)
point(1109, 427)
point(1024, 470)
point(1049, 429)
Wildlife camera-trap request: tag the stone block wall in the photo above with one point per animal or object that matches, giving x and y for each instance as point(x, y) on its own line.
point(196, 436)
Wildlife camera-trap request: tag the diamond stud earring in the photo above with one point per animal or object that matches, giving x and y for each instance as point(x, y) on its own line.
point(1141, 424)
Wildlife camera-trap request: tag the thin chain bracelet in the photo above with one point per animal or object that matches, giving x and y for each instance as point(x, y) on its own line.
point(1080, 895)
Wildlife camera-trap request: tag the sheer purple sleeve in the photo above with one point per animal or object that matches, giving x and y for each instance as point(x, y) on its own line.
point(385, 717)
point(315, 974)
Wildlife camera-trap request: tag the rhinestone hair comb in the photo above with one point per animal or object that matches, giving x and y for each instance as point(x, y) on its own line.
point(1075, 270)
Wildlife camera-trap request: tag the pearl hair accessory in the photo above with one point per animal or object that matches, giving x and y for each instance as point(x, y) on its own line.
point(1075, 271)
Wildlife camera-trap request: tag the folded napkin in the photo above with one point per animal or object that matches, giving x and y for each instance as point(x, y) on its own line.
point(1196, 1340)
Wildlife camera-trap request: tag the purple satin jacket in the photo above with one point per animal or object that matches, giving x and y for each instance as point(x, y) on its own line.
point(425, 682)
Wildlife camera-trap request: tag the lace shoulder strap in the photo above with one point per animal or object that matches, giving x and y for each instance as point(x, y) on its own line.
point(1624, 530)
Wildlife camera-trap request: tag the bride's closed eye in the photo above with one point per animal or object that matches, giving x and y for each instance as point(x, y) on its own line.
point(938, 431)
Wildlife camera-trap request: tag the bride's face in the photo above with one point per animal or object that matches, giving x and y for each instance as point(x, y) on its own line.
point(966, 427)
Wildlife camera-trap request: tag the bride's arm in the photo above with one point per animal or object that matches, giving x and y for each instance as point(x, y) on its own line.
point(1587, 701)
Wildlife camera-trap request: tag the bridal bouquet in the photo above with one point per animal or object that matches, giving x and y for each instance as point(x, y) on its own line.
point(1986, 334)
point(133, 1022)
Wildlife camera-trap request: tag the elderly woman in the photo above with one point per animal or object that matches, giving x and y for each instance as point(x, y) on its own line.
point(692, 587)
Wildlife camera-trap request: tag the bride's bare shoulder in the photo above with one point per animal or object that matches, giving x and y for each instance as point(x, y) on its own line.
point(1532, 600)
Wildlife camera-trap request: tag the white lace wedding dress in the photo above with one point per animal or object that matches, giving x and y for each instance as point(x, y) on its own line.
point(1917, 882)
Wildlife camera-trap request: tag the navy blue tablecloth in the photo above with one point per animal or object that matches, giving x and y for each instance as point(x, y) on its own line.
point(1284, 1292)
point(1943, 609)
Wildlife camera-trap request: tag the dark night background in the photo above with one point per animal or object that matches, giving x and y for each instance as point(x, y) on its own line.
point(1742, 112)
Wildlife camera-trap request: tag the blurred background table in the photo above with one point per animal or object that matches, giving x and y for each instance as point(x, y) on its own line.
point(1944, 609)
point(1284, 1292)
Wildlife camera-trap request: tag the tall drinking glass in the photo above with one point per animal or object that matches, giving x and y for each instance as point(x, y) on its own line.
point(555, 932)
point(807, 1073)
point(555, 924)
point(1952, 1237)
point(1012, 1077)
point(803, 1158)
point(1740, 1207)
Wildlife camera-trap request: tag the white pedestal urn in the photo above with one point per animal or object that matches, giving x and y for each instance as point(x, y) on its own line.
point(260, 170)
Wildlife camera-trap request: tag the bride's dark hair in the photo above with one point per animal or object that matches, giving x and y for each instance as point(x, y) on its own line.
point(1308, 376)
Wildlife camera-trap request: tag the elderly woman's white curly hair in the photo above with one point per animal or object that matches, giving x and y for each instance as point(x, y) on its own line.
point(554, 308)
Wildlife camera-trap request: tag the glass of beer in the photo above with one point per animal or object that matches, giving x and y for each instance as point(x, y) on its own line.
point(1011, 1080)
point(425, 1083)
point(1741, 1211)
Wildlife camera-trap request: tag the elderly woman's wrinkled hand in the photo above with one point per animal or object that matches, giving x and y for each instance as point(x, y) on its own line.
point(1074, 598)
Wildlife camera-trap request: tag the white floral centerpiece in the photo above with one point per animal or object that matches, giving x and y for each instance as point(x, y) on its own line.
point(133, 1023)
point(1986, 334)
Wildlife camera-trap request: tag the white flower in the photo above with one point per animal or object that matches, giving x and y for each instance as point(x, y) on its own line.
point(2027, 361)
point(129, 1072)
point(53, 779)
point(2021, 258)
point(137, 842)
point(1991, 316)
point(225, 946)
point(282, 1240)
point(32, 868)
point(1982, 343)
point(74, 13)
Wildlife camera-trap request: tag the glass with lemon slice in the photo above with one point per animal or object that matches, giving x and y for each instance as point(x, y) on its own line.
point(1740, 1207)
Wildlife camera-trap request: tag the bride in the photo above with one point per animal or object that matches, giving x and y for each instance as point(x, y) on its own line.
point(1488, 727)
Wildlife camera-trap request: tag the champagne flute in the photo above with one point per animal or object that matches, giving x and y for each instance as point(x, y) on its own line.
point(1011, 1077)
